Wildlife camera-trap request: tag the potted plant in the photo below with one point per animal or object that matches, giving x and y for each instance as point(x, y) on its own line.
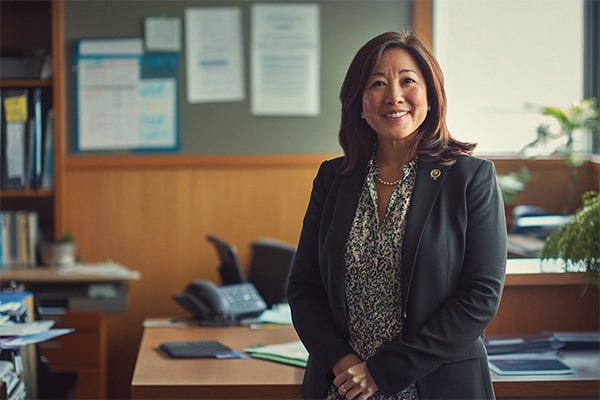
point(577, 243)
point(58, 252)
point(571, 122)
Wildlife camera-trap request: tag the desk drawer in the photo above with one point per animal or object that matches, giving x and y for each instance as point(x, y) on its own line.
point(77, 348)
point(90, 382)
point(80, 321)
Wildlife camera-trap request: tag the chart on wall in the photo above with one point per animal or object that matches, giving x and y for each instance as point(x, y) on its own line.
point(125, 99)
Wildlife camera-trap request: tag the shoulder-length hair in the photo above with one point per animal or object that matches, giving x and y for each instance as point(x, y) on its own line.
point(433, 142)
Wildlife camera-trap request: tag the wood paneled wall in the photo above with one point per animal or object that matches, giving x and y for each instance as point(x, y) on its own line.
point(152, 215)
point(155, 220)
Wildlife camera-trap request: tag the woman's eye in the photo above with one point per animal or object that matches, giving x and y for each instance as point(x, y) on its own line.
point(408, 80)
point(377, 83)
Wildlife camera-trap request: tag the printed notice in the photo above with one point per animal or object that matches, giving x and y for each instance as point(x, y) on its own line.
point(285, 59)
point(214, 54)
point(125, 99)
point(108, 106)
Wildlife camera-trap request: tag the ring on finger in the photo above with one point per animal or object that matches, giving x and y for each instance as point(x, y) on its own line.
point(343, 390)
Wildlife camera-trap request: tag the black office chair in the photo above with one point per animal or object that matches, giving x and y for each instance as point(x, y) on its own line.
point(230, 269)
point(270, 267)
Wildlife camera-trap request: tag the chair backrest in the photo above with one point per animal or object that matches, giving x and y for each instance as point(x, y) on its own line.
point(270, 267)
point(230, 269)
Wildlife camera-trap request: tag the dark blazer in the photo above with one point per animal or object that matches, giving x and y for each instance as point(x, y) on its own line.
point(454, 258)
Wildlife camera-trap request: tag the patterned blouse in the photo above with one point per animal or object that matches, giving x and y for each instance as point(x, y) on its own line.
point(373, 261)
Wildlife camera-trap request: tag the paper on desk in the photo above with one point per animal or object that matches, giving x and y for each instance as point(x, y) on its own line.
point(278, 314)
point(11, 306)
point(108, 268)
point(29, 328)
point(34, 338)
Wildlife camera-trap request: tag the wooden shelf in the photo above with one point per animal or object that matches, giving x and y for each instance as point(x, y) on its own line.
point(548, 279)
point(26, 83)
point(25, 193)
point(75, 162)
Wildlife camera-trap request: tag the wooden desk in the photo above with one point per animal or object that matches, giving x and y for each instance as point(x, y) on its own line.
point(66, 298)
point(584, 384)
point(158, 377)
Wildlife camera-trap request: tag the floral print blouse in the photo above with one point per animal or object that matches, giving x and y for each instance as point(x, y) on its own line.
point(373, 268)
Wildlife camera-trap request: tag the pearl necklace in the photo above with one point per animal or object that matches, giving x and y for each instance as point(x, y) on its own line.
point(386, 183)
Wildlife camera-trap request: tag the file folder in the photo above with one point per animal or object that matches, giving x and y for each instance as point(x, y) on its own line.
point(291, 353)
point(529, 366)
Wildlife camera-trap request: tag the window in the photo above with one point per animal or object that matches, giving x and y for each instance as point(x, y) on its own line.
point(503, 62)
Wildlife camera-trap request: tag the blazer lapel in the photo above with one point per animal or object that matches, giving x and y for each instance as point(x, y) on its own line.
point(343, 214)
point(428, 183)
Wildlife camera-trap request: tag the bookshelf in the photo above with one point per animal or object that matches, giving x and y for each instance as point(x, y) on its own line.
point(39, 24)
point(27, 26)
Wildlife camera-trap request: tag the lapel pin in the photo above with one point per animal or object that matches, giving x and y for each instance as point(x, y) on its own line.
point(435, 174)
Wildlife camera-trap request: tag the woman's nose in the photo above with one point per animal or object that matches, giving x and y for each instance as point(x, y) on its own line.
point(395, 94)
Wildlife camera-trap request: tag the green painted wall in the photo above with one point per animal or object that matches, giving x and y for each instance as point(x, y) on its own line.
point(230, 128)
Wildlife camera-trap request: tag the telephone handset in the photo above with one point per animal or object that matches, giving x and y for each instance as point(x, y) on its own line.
point(221, 305)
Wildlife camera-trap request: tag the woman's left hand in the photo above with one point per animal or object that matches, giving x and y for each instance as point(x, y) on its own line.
point(356, 382)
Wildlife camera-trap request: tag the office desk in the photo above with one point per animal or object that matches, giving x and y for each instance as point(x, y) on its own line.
point(584, 384)
point(76, 300)
point(158, 377)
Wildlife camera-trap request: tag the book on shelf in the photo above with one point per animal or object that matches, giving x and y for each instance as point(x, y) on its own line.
point(19, 238)
point(12, 387)
point(30, 63)
point(14, 138)
point(23, 130)
point(48, 153)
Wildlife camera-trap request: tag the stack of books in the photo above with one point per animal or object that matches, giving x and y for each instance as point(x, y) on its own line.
point(11, 385)
point(19, 238)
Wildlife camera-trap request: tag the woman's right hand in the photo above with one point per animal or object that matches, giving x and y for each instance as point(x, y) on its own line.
point(353, 379)
point(345, 362)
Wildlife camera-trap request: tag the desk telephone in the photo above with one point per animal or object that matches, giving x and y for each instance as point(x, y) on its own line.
point(221, 305)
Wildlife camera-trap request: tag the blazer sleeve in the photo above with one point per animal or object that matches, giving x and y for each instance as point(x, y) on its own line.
point(464, 312)
point(306, 292)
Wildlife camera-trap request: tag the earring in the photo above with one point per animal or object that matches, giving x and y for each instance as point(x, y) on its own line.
point(428, 108)
point(362, 115)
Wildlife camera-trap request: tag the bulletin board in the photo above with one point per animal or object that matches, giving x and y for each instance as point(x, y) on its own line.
point(125, 99)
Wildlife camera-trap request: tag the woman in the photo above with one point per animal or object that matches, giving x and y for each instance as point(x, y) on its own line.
point(400, 263)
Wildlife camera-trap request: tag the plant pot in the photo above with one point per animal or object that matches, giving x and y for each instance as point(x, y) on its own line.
point(57, 253)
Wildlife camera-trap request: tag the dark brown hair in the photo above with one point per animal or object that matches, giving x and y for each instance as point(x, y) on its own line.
point(434, 141)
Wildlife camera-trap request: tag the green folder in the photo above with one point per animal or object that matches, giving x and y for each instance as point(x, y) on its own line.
point(290, 353)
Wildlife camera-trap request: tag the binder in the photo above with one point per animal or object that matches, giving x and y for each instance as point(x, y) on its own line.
point(47, 181)
point(23, 129)
point(13, 141)
point(36, 138)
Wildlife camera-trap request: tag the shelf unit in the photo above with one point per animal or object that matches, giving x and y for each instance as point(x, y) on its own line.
point(30, 25)
point(39, 24)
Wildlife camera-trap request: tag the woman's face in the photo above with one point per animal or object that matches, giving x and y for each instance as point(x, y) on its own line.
point(395, 96)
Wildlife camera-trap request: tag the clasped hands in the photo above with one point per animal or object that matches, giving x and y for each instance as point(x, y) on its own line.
point(353, 379)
